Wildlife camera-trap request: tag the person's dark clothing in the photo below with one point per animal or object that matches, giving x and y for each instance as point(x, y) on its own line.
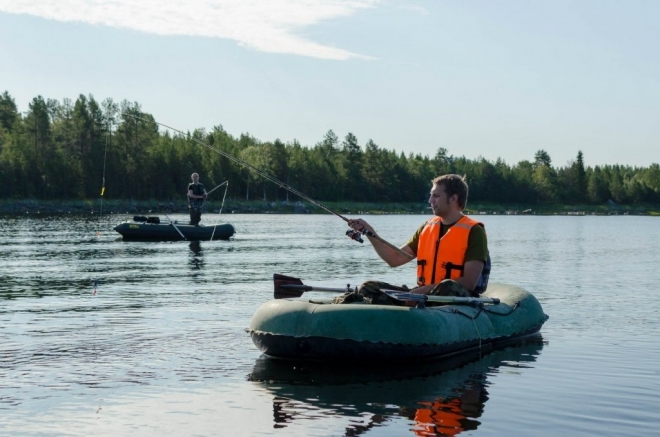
point(195, 205)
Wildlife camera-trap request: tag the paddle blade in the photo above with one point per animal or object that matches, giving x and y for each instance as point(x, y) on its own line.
point(285, 292)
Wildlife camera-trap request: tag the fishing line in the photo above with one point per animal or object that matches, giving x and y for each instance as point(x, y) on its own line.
point(350, 233)
point(226, 183)
point(223, 198)
point(248, 165)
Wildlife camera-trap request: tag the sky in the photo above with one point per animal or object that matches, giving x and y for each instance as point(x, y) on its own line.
point(481, 78)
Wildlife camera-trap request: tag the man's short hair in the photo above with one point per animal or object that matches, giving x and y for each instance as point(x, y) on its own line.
point(454, 184)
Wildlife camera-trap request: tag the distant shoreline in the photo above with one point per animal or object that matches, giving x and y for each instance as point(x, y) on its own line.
point(154, 207)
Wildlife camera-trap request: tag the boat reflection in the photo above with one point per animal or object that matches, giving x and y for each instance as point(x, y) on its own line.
point(444, 397)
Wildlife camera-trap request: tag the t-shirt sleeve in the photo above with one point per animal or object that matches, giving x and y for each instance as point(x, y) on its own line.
point(413, 243)
point(477, 249)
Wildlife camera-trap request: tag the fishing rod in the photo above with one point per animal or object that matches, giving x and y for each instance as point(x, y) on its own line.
point(225, 182)
point(353, 235)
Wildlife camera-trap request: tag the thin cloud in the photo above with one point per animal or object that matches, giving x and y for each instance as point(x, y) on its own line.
point(266, 25)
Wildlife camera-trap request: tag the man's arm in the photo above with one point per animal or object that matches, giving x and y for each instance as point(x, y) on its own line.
point(389, 255)
point(195, 196)
point(475, 258)
point(471, 272)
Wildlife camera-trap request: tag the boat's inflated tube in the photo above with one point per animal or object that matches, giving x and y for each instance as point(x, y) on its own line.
point(315, 329)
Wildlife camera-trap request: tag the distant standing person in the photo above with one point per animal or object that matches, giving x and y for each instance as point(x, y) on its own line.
point(196, 196)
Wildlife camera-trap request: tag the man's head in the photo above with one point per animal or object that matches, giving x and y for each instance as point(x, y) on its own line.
point(453, 185)
point(194, 177)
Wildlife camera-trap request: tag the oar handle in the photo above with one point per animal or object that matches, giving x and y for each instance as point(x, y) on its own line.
point(177, 229)
point(414, 297)
point(310, 288)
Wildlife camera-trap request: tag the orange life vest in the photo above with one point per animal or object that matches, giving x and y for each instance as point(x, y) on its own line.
point(443, 257)
point(440, 418)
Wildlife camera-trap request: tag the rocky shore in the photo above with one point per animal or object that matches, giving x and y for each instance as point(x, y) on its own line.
point(33, 206)
point(95, 207)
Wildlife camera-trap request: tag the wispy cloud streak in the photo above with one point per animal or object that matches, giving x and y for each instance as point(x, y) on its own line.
point(266, 25)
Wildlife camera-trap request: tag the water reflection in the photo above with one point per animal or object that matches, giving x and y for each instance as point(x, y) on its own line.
point(196, 256)
point(440, 398)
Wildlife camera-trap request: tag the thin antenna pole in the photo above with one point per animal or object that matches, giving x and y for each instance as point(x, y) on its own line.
point(105, 156)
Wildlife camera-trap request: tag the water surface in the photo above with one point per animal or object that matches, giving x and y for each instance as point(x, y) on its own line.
point(160, 348)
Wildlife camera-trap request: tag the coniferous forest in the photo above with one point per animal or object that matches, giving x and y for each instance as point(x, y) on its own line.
point(72, 149)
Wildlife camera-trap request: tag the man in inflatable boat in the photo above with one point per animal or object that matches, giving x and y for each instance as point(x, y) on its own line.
point(451, 248)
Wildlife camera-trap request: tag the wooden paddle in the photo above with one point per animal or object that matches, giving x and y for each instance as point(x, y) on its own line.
point(289, 287)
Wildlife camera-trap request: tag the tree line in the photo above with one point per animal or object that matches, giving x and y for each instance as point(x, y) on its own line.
point(75, 149)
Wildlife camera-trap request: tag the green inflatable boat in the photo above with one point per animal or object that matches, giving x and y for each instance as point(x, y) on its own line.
point(152, 228)
point(316, 329)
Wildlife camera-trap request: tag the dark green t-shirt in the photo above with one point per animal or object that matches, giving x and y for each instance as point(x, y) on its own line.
point(477, 249)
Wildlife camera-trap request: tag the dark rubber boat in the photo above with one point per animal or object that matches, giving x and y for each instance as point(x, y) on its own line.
point(151, 228)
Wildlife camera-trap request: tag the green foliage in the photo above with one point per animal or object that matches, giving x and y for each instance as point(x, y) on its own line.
point(71, 149)
point(8, 112)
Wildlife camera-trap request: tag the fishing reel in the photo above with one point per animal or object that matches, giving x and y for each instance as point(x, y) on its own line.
point(354, 235)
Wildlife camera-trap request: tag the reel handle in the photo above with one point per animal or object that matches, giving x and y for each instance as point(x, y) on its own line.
point(354, 235)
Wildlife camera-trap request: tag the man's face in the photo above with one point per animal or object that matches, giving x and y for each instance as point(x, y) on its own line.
point(195, 178)
point(438, 200)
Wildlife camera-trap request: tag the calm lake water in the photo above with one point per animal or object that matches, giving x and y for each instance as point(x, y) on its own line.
point(161, 348)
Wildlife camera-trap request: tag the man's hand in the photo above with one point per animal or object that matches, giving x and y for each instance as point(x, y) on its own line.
point(423, 289)
point(359, 225)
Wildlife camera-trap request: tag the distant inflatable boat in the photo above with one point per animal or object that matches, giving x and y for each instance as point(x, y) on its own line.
point(316, 329)
point(151, 228)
